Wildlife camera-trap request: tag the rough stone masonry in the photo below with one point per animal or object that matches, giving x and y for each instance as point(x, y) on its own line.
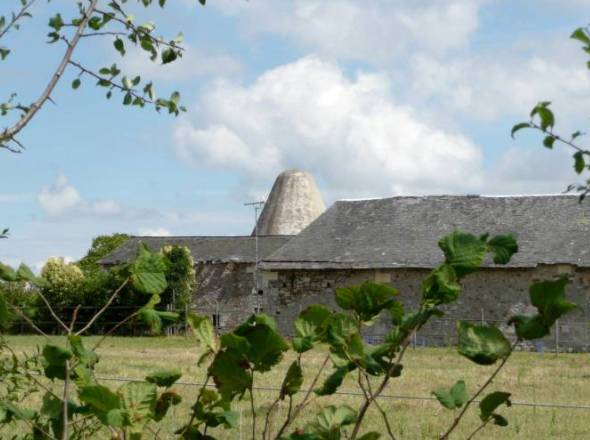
point(299, 253)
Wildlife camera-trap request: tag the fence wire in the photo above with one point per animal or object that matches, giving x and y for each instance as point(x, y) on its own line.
point(359, 394)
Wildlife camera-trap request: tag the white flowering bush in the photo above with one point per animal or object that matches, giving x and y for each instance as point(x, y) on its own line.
point(63, 281)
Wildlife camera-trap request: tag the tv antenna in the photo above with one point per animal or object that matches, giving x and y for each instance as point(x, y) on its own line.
point(257, 208)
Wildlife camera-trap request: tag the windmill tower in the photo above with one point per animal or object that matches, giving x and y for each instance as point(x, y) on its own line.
point(293, 203)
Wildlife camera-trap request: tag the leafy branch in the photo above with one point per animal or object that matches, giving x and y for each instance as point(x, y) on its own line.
point(542, 119)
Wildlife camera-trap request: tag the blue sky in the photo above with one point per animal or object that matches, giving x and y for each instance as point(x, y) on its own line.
point(375, 98)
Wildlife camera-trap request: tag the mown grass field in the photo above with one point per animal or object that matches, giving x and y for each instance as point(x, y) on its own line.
point(531, 377)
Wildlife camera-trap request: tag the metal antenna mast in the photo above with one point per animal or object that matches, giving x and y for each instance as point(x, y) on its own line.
point(257, 208)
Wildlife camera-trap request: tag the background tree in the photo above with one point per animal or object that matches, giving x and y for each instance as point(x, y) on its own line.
point(100, 248)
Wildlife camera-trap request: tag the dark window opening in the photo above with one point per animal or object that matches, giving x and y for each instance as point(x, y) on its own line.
point(216, 320)
point(284, 284)
point(278, 312)
point(260, 291)
point(328, 284)
point(258, 309)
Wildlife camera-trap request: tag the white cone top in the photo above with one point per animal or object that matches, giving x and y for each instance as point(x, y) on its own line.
point(294, 202)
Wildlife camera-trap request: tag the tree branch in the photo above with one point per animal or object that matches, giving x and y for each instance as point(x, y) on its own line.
point(111, 82)
point(16, 17)
point(103, 309)
point(455, 423)
point(138, 30)
point(10, 132)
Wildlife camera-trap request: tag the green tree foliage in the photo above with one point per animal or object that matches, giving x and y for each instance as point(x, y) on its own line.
point(100, 248)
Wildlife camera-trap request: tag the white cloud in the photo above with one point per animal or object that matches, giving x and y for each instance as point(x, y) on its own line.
point(59, 198)
point(350, 132)
point(62, 199)
point(376, 31)
point(511, 85)
point(194, 63)
point(154, 232)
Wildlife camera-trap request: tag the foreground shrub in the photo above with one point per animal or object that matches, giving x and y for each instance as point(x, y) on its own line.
point(84, 406)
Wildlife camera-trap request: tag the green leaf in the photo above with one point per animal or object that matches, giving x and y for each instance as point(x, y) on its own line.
point(119, 46)
point(519, 127)
point(549, 299)
point(329, 422)
point(230, 374)
point(453, 398)
point(581, 35)
point(499, 420)
point(491, 402)
point(165, 401)
point(168, 56)
point(529, 327)
point(442, 285)
point(266, 344)
point(7, 273)
point(370, 436)
point(203, 330)
point(76, 83)
point(464, 252)
point(503, 247)
point(101, 401)
point(86, 357)
point(334, 380)
point(164, 378)
point(310, 327)
point(545, 115)
point(579, 162)
point(482, 344)
point(366, 300)
point(292, 381)
point(56, 355)
point(139, 400)
point(548, 142)
point(148, 272)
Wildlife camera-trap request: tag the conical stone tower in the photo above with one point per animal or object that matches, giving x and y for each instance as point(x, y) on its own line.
point(294, 202)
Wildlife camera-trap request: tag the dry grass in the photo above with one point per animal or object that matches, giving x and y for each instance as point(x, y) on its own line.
point(531, 377)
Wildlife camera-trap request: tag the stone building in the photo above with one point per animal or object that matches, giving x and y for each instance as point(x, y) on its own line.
point(304, 254)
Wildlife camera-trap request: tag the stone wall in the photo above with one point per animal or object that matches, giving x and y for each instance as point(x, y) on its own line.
point(489, 295)
point(227, 291)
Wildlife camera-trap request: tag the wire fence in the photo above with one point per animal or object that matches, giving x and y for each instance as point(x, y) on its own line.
point(566, 336)
point(351, 393)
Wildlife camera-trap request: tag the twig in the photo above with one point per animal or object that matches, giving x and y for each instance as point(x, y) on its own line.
point(478, 392)
point(10, 132)
point(268, 415)
point(193, 415)
point(302, 404)
point(103, 309)
point(17, 17)
point(381, 410)
point(479, 428)
point(64, 434)
point(115, 327)
point(28, 320)
point(558, 138)
point(139, 30)
point(252, 406)
point(59, 321)
point(365, 406)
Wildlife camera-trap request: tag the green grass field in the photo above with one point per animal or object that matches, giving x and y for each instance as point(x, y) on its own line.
point(531, 377)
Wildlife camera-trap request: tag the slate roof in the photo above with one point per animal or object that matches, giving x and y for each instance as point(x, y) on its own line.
point(404, 231)
point(236, 249)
